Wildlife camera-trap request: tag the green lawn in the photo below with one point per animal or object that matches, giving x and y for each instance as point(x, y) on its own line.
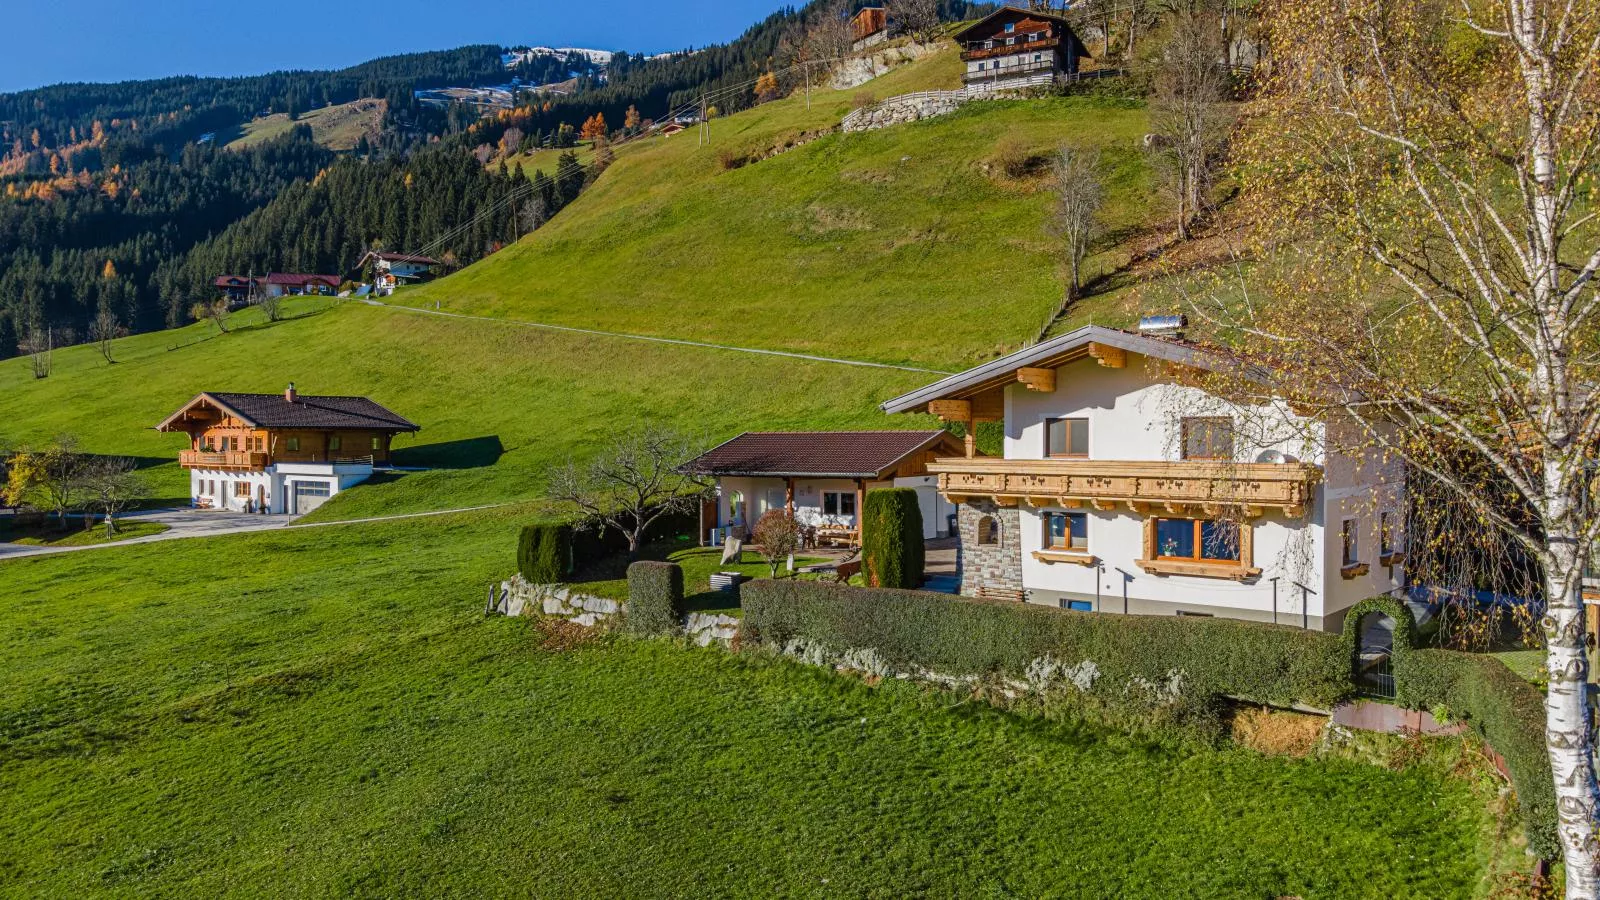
point(337, 717)
point(498, 404)
point(898, 245)
point(76, 535)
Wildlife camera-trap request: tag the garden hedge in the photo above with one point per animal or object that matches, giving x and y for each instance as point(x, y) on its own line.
point(544, 552)
point(891, 539)
point(959, 636)
point(655, 597)
point(1503, 709)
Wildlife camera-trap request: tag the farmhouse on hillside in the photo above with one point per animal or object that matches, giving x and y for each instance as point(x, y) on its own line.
point(869, 27)
point(1126, 487)
point(236, 289)
point(820, 478)
point(280, 453)
point(284, 284)
point(1014, 48)
point(389, 270)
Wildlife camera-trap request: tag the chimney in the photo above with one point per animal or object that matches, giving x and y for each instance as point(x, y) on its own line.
point(288, 393)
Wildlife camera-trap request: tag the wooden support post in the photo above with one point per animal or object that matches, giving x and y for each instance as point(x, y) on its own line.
point(788, 496)
point(861, 512)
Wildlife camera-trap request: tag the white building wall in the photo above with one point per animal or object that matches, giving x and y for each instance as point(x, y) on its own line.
point(218, 485)
point(1134, 416)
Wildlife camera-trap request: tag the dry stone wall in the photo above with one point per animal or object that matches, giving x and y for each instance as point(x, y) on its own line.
point(518, 597)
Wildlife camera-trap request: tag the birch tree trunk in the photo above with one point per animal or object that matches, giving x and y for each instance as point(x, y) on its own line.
point(1567, 733)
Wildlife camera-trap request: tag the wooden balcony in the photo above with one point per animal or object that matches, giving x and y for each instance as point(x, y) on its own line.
point(224, 459)
point(1175, 488)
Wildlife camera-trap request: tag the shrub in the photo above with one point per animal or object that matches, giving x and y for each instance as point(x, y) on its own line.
point(957, 636)
point(863, 99)
point(891, 538)
point(1503, 709)
point(655, 597)
point(544, 552)
point(1012, 157)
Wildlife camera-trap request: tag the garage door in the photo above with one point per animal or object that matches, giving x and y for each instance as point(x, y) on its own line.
point(309, 495)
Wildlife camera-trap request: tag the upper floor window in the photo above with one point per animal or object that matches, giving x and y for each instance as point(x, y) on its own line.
point(1010, 27)
point(1207, 437)
point(291, 444)
point(1010, 41)
point(335, 442)
point(1066, 437)
point(1207, 540)
point(1351, 538)
point(1066, 531)
point(1036, 36)
point(1385, 534)
point(377, 443)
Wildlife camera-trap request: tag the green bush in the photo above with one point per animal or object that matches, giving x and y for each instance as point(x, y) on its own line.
point(1503, 709)
point(655, 597)
point(891, 538)
point(960, 636)
point(544, 552)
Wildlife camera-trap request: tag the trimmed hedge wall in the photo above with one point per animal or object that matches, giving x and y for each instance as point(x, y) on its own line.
point(1506, 711)
point(544, 552)
point(960, 636)
point(891, 539)
point(655, 597)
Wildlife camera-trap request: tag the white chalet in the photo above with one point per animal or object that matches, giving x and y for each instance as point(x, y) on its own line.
point(1126, 488)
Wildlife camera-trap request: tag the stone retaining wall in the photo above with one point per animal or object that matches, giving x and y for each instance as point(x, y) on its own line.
point(518, 597)
point(900, 110)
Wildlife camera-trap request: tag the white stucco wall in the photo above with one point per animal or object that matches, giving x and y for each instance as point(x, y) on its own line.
point(277, 479)
point(1134, 415)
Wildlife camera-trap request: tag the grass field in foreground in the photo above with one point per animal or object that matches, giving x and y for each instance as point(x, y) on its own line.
point(337, 717)
point(905, 244)
point(498, 404)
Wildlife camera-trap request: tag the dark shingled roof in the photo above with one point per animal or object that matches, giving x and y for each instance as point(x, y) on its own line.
point(813, 454)
point(273, 411)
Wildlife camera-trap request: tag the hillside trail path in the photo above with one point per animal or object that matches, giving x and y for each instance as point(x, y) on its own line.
point(200, 523)
point(681, 342)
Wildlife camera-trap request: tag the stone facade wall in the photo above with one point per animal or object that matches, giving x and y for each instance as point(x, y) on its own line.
point(518, 597)
point(997, 565)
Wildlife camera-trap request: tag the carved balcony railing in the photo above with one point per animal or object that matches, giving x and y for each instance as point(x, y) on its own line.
point(224, 459)
point(1175, 488)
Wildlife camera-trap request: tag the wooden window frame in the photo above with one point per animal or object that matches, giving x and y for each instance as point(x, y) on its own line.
point(377, 443)
point(1199, 542)
point(1234, 569)
point(291, 444)
point(1190, 422)
point(1050, 452)
point(335, 442)
point(241, 489)
point(1049, 540)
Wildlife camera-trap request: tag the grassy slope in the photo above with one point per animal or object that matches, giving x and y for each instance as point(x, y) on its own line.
point(477, 388)
point(892, 245)
point(339, 718)
point(337, 127)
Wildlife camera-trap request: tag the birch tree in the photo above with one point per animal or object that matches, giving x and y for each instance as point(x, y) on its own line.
point(1187, 115)
point(1421, 180)
point(1076, 217)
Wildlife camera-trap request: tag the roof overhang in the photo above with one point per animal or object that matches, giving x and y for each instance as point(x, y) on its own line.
point(1037, 13)
point(937, 437)
point(170, 422)
point(1055, 352)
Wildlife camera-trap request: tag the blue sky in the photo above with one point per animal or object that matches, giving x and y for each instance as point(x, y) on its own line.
point(103, 40)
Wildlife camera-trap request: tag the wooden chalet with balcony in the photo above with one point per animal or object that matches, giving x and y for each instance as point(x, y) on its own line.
point(1015, 48)
point(280, 453)
point(1126, 487)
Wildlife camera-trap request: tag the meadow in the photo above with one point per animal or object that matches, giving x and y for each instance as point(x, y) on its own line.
point(327, 712)
point(499, 404)
point(904, 245)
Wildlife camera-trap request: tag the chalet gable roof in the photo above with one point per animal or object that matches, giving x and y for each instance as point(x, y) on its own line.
point(816, 454)
point(1049, 354)
point(1010, 10)
point(314, 413)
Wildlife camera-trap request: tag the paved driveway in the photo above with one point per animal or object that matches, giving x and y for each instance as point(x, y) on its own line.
point(181, 523)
